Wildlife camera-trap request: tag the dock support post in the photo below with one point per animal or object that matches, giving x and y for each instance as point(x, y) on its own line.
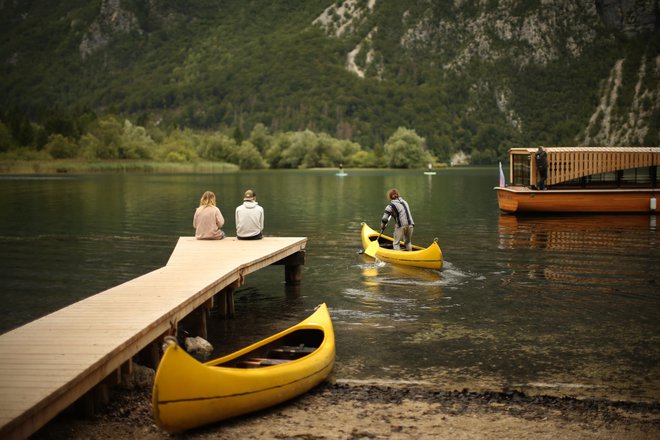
point(203, 313)
point(196, 321)
point(125, 370)
point(93, 400)
point(201, 322)
point(226, 307)
point(230, 302)
point(222, 303)
point(293, 268)
point(292, 274)
point(151, 355)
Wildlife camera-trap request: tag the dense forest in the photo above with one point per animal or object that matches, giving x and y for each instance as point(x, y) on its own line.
point(313, 83)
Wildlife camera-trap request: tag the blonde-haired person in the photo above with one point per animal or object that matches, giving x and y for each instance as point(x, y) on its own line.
point(403, 221)
point(208, 219)
point(249, 218)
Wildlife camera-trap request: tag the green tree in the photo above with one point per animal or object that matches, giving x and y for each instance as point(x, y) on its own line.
point(218, 147)
point(238, 135)
point(295, 152)
point(178, 146)
point(5, 137)
point(135, 143)
point(347, 149)
point(363, 159)
point(488, 139)
point(61, 147)
point(249, 157)
point(487, 156)
point(25, 135)
point(105, 139)
point(90, 146)
point(60, 123)
point(260, 138)
point(406, 149)
point(324, 152)
point(274, 154)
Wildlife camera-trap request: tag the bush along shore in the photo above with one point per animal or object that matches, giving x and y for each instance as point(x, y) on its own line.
point(74, 166)
point(109, 139)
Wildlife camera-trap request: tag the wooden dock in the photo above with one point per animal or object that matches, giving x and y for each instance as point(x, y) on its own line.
point(50, 363)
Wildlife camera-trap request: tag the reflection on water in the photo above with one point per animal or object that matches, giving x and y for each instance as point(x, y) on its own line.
point(560, 304)
point(586, 249)
point(562, 233)
point(381, 272)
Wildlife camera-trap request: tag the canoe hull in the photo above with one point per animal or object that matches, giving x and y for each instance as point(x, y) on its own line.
point(427, 258)
point(189, 394)
point(519, 199)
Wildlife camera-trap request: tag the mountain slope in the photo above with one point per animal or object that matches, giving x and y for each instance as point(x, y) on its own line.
point(471, 76)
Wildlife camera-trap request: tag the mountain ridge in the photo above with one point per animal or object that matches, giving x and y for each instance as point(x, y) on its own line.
point(477, 77)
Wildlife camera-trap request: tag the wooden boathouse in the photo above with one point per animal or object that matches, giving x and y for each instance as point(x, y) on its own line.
point(76, 353)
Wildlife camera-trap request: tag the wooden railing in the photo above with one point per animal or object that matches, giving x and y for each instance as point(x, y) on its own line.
point(569, 163)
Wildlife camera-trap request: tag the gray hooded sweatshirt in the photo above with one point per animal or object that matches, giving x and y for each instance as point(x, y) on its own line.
point(249, 219)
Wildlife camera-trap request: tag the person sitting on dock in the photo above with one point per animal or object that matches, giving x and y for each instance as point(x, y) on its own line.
point(403, 221)
point(208, 219)
point(542, 164)
point(249, 218)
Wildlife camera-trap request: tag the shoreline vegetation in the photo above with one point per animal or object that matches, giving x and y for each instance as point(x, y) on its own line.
point(78, 166)
point(109, 139)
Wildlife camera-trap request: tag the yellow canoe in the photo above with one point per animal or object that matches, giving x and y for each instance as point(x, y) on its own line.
point(188, 393)
point(428, 258)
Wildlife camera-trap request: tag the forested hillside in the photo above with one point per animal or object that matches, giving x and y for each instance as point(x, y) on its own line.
point(266, 82)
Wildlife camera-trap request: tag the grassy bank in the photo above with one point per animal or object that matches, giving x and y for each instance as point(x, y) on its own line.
point(120, 166)
point(78, 166)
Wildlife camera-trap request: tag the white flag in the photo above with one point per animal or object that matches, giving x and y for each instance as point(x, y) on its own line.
point(502, 181)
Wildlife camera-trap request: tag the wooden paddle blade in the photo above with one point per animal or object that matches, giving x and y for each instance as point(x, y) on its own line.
point(372, 248)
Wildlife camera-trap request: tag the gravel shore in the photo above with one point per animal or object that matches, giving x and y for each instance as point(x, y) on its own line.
point(348, 411)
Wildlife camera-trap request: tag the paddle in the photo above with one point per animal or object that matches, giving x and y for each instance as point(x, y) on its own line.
point(373, 247)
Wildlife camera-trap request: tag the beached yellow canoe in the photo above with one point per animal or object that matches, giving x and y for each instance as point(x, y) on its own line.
point(188, 393)
point(429, 257)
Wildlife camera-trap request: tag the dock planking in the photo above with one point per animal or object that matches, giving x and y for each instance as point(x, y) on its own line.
point(50, 363)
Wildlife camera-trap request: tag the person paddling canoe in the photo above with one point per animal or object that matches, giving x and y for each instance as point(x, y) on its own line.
point(403, 221)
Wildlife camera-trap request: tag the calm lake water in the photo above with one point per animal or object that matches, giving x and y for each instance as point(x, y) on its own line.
point(555, 305)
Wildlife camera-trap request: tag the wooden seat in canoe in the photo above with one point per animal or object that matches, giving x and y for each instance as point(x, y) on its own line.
point(290, 352)
point(261, 362)
point(269, 361)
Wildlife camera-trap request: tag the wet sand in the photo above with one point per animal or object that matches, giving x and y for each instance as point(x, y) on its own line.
point(349, 411)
